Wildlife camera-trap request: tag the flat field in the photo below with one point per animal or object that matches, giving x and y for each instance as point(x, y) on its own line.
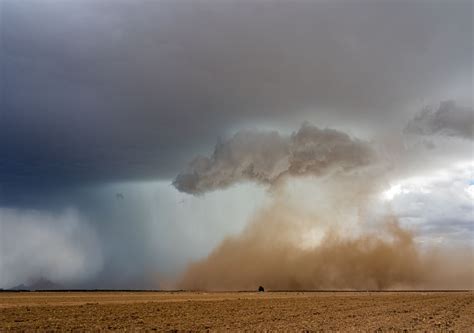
point(315, 311)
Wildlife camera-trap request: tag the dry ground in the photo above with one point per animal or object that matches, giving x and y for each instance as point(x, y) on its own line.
point(325, 311)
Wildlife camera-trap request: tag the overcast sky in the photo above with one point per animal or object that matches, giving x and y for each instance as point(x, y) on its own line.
point(104, 103)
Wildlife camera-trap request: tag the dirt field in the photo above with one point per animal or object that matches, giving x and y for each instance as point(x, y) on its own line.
point(344, 311)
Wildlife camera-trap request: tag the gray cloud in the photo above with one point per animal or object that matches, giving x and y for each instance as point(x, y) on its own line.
point(265, 157)
point(448, 119)
point(112, 90)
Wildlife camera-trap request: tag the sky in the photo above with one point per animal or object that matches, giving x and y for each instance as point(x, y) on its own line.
point(138, 136)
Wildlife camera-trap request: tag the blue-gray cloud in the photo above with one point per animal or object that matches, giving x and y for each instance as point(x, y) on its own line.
point(113, 90)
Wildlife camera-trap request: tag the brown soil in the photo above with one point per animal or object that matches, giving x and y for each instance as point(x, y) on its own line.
point(315, 311)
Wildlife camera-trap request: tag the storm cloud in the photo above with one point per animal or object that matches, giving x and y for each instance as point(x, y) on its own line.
point(112, 90)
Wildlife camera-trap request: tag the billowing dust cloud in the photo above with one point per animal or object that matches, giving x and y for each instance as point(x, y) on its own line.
point(265, 157)
point(320, 234)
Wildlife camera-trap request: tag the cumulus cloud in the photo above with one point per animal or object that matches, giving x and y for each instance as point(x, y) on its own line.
point(265, 157)
point(448, 119)
point(34, 245)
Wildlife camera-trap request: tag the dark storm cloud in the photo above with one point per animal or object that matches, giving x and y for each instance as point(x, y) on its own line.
point(99, 91)
point(447, 120)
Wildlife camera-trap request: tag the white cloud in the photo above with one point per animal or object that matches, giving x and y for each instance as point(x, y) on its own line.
point(439, 205)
